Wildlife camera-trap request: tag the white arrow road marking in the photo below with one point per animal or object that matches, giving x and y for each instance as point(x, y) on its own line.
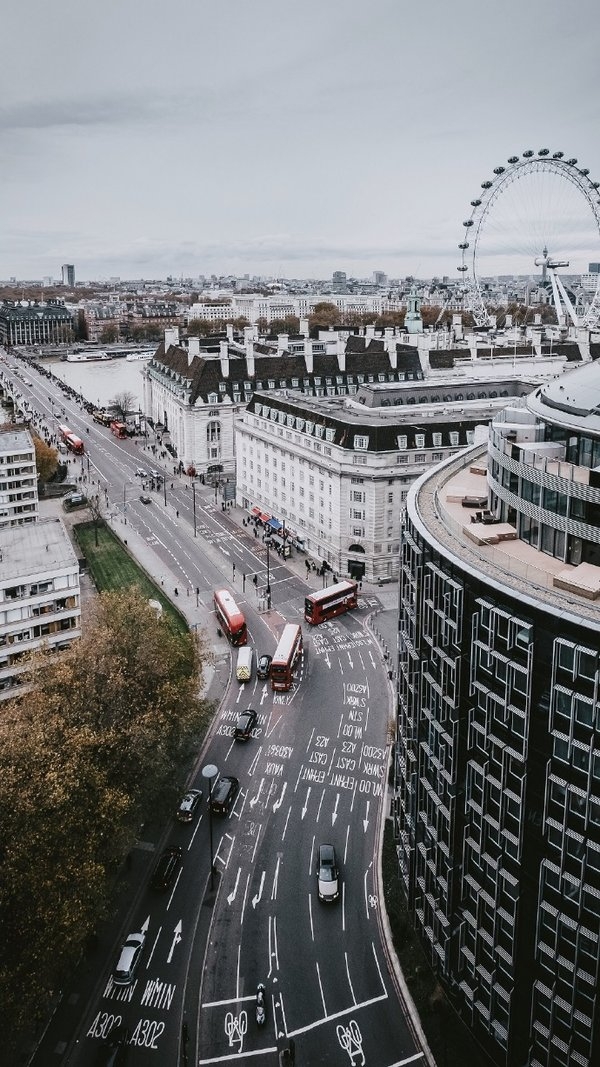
point(275, 879)
point(149, 960)
point(264, 694)
point(144, 928)
point(305, 808)
point(366, 818)
point(334, 812)
point(176, 940)
point(274, 726)
point(351, 661)
point(232, 895)
point(257, 897)
point(327, 660)
point(279, 802)
point(256, 798)
point(371, 658)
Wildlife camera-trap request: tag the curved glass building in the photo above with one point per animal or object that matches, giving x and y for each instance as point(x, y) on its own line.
point(497, 762)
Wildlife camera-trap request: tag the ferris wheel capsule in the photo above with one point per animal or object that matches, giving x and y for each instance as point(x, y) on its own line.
point(557, 155)
point(544, 152)
point(584, 171)
point(513, 159)
point(528, 154)
point(486, 185)
point(595, 185)
point(463, 244)
point(498, 170)
point(572, 161)
point(462, 267)
point(475, 203)
point(468, 222)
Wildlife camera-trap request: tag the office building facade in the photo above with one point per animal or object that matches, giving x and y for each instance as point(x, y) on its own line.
point(497, 760)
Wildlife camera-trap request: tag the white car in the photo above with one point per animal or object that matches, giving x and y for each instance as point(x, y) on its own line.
point(131, 952)
point(141, 473)
point(328, 883)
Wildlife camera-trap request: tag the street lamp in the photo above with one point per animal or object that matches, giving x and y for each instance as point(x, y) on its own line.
point(268, 580)
point(210, 772)
point(194, 502)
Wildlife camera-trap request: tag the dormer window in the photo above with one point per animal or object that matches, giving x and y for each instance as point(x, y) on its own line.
point(213, 398)
point(222, 387)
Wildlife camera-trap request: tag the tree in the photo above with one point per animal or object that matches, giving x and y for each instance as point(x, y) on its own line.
point(324, 315)
point(109, 334)
point(95, 511)
point(95, 744)
point(46, 459)
point(123, 403)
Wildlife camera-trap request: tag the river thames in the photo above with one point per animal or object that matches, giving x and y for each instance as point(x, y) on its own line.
point(100, 382)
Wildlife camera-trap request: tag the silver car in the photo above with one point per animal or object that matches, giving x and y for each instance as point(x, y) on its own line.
point(128, 961)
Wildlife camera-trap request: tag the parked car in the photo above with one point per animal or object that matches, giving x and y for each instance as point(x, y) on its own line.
point(224, 794)
point(245, 725)
point(141, 473)
point(166, 868)
point(189, 805)
point(114, 1050)
point(156, 475)
point(145, 499)
point(328, 883)
point(263, 666)
point(129, 959)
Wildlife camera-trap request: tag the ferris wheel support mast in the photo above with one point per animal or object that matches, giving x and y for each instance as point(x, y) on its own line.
point(561, 297)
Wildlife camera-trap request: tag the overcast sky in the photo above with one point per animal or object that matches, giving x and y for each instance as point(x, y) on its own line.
point(142, 138)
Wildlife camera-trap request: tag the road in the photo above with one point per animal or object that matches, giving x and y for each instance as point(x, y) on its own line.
point(313, 772)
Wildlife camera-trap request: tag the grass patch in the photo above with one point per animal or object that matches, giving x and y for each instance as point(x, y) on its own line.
point(113, 568)
point(449, 1038)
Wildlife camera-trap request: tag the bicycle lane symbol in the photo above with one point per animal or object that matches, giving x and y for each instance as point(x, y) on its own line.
point(236, 1027)
point(350, 1039)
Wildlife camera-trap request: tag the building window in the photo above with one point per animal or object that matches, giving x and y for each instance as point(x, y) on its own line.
point(361, 442)
point(402, 442)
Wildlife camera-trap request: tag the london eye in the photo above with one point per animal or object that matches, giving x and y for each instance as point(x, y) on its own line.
point(538, 212)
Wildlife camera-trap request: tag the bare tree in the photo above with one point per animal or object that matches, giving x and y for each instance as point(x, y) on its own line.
point(95, 511)
point(123, 403)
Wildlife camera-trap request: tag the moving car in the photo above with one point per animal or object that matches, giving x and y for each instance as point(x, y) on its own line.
point(327, 874)
point(245, 725)
point(166, 868)
point(189, 805)
point(141, 473)
point(145, 499)
point(263, 666)
point(224, 794)
point(114, 1051)
point(131, 952)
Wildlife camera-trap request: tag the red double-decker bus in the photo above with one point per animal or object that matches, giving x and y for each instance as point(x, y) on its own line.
point(72, 441)
point(118, 428)
point(286, 656)
point(327, 603)
point(231, 619)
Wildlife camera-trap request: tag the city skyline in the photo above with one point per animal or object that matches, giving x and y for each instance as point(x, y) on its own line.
point(233, 139)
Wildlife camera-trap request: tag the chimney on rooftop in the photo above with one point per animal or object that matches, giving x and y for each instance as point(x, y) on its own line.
point(171, 336)
point(229, 328)
point(224, 357)
point(340, 345)
point(282, 343)
point(391, 349)
point(304, 330)
point(308, 355)
point(250, 357)
point(193, 349)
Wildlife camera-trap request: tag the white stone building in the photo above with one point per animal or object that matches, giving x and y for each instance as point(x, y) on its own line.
point(39, 596)
point(18, 479)
point(336, 471)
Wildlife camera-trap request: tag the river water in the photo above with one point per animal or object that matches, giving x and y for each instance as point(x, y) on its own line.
point(101, 382)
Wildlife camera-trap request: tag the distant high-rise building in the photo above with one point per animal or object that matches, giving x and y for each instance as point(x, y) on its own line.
point(339, 281)
point(68, 275)
point(379, 277)
point(594, 268)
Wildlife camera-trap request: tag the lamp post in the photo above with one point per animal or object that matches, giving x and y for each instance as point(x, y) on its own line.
point(268, 580)
point(210, 772)
point(194, 503)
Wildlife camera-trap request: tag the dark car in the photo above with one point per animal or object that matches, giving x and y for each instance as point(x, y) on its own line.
point(114, 1051)
point(189, 805)
point(224, 794)
point(328, 884)
point(166, 868)
point(263, 666)
point(245, 725)
point(145, 499)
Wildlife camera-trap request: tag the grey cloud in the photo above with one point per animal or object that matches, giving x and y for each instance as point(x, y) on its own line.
point(48, 114)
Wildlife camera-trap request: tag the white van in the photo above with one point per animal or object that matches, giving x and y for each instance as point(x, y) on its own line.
point(243, 671)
